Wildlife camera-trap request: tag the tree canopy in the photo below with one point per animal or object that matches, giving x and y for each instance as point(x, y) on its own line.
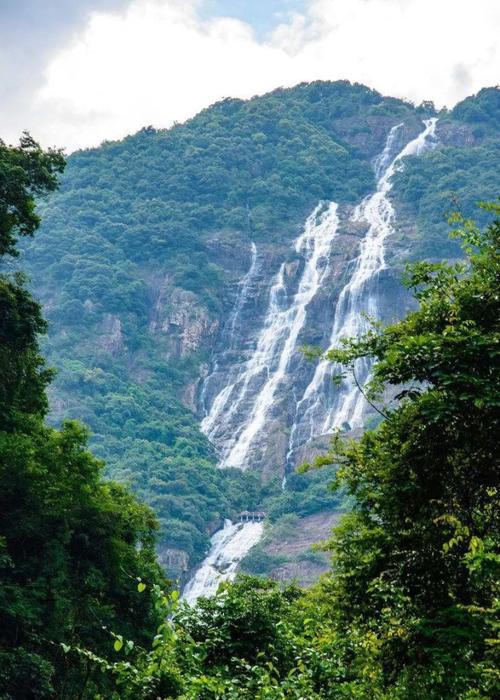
point(26, 172)
point(72, 546)
point(416, 562)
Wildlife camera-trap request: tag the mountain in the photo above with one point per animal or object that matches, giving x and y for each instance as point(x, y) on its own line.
point(181, 271)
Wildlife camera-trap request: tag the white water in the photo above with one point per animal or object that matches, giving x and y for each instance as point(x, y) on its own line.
point(211, 420)
point(322, 409)
point(228, 547)
point(245, 286)
point(252, 393)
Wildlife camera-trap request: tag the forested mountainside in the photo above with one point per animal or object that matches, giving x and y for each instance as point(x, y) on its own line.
point(143, 252)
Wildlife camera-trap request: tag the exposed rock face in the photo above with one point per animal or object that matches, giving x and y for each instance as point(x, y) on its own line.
point(371, 137)
point(295, 558)
point(189, 395)
point(175, 561)
point(183, 321)
point(191, 322)
point(453, 134)
point(112, 338)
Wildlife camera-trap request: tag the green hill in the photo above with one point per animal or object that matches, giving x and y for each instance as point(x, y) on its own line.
point(139, 252)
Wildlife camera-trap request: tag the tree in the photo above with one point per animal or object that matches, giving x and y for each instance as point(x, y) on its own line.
point(26, 172)
point(72, 546)
point(416, 563)
point(249, 641)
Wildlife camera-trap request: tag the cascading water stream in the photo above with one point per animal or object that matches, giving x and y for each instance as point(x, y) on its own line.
point(228, 547)
point(245, 285)
point(323, 407)
point(252, 393)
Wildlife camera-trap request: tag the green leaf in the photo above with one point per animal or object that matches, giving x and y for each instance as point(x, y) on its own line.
point(141, 587)
point(118, 644)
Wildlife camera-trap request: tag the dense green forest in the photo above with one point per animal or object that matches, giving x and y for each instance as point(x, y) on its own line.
point(161, 211)
point(72, 546)
point(454, 176)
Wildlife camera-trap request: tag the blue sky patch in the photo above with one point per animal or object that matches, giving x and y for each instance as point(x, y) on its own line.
point(262, 15)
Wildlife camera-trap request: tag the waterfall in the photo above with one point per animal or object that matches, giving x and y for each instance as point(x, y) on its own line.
point(322, 406)
point(228, 547)
point(245, 286)
point(237, 414)
point(250, 395)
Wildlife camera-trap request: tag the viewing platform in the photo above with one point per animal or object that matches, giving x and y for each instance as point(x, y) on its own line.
point(248, 516)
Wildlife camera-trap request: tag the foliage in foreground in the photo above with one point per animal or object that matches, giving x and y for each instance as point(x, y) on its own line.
point(71, 545)
point(416, 563)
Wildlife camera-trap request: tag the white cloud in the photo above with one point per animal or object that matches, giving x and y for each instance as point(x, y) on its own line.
point(407, 48)
point(158, 62)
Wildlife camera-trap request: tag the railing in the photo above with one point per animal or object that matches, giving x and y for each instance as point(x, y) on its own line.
point(251, 516)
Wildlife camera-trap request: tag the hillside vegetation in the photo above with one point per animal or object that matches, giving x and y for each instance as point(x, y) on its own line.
point(139, 224)
point(455, 176)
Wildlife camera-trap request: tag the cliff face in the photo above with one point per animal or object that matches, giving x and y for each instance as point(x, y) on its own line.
point(287, 553)
point(263, 403)
point(182, 271)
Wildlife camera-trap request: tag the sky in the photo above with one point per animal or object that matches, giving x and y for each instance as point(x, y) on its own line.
point(77, 72)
